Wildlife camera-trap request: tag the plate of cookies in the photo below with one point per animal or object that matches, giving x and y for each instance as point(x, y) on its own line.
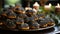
point(18, 19)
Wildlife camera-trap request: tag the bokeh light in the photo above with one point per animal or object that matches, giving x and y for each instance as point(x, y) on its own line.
point(11, 2)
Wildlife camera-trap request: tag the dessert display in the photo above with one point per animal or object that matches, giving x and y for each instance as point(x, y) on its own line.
point(42, 22)
point(50, 21)
point(20, 10)
point(4, 12)
point(10, 24)
point(11, 14)
point(41, 16)
point(30, 13)
point(26, 20)
point(35, 17)
point(34, 25)
point(19, 21)
point(17, 18)
point(23, 26)
point(22, 15)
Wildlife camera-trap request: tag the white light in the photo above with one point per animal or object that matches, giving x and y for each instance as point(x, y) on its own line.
point(36, 4)
point(50, 4)
point(58, 4)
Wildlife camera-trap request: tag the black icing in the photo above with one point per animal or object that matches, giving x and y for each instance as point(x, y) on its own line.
point(10, 23)
point(24, 25)
point(19, 20)
point(22, 15)
point(10, 13)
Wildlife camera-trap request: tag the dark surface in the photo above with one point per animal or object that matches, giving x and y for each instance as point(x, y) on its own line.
point(53, 30)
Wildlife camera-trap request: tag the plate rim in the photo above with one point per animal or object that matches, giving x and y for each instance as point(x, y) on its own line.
point(31, 29)
point(40, 28)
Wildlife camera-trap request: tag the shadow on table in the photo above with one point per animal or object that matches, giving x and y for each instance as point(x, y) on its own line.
point(30, 32)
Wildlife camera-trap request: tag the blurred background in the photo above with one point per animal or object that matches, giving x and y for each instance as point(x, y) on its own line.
point(25, 2)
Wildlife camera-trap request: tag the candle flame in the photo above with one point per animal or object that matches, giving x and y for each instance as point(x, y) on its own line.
point(58, 4)
point(49, 4)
